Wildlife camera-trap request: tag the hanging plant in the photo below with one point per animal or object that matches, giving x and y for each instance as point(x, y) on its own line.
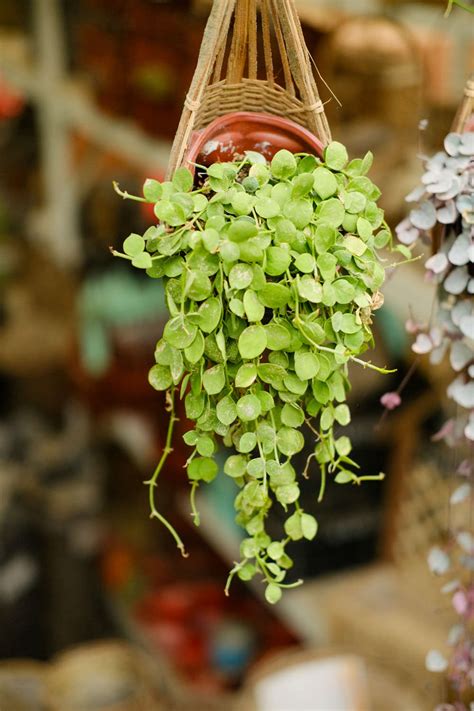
point(444, 217)
point(272, 272)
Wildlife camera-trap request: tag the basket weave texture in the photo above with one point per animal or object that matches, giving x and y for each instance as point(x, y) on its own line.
point(236, 70)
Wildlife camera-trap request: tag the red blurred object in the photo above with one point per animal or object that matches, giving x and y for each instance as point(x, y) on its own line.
point(244, 131)
point(11, 102)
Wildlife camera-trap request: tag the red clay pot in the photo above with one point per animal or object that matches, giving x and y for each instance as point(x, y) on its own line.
point(243, 131)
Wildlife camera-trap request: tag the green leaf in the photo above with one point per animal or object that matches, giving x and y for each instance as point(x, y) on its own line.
point(254, 309)
point(235, 466)
point(160, 378)
point(210, 239)
point(327, 264)
point(252, 342)
point(305, 263)
point(191, 437)
point(266, 400)
point(274, 296)
point(240, 276)
point(242, 203)
point(242, 229)
point(134, 245)
point(355, 245)
point(247, 442)
point(335, 155)
point(325, 183)
point(344, 477)
point(210, 313)
point(278, 337)
point(306, 365)
point(302, 185)
point(205, 446)
point(195, 351)
point(266, 207)
point(283, 165)
point(226, 410)
point(179, 332)
point(213, 379)
point(249, 408)
point(327, 419)
point(382, 238)
point(342, 414)
point(202, 469)
point(292, 415)
point(272, 591)
point(293, 527)
point(275, 550)
point(246, 375)
point(272, 374)
point(198, 286)
point(183, 180)
point(152, 190)
point(343, 446)
point(194, 405)
point(310, 289)
point(324, 238)
point(309, 526)
point(287, 494)
point(256, 468)
point(278, 260)
point(364, 228)
point(299, 211)
point(355, 202)
point(344, 291)
point(289, 441)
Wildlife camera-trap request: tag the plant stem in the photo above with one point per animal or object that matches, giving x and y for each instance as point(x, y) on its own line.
point(322, 488)
point(126, 196)
point(195, 513)
point(151, 483)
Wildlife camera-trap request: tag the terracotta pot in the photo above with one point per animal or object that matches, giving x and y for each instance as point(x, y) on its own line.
point(243, 131)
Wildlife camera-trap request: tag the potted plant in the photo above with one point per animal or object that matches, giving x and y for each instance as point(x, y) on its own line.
point(272, 272)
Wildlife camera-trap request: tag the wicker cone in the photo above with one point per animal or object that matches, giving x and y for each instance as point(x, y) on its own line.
point(106, 676)
point(226, 78)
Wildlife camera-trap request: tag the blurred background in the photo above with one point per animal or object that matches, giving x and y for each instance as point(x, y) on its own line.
point(90, 92)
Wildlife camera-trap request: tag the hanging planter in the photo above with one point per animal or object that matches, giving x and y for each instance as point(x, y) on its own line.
point(272, 272)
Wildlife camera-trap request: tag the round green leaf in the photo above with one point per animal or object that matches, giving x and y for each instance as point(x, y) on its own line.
point(344, 291)
point(310, 289)
point(273, 592)
point(210, 313)
point(283, 165)
point(205, 446)
point(335, 155)
point(331, 212)
point(309, 526)
point(226, 410)
point(152, 190)
point(202, 469)
point(246, 375)
point(306, 365)
point(299, 211)
point(292, 415)
point(160, 378)
point(242, 203)
point(324, 183)
point(327, 264)
point(290, 441)
point(274, 296)
point(342, 414)
point(213, 379)
point(266, 207)
point(254, 309)
point(249, 408)
point(179, 332)
point(278, 260)
point(195, 351)
point(278, 337)
point(242, 229)
point(247, 442)
point(142, 261)
point(252, 342)
point(305, 263)
point(183, 180)
point(235, 466)
point(240, 276)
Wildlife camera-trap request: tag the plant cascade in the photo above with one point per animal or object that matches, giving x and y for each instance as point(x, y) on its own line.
point(272, 272)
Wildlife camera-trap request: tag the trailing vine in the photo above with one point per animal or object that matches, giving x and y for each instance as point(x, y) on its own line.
point(445, 213)
point(272, 272)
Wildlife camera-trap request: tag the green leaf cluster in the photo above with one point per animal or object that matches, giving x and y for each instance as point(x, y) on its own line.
point(271, 272)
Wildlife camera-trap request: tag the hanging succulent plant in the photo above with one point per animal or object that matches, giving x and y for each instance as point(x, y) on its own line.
point(444, 217)
point(272, 273)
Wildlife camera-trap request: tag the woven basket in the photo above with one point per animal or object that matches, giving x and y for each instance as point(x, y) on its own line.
point(232, 75)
